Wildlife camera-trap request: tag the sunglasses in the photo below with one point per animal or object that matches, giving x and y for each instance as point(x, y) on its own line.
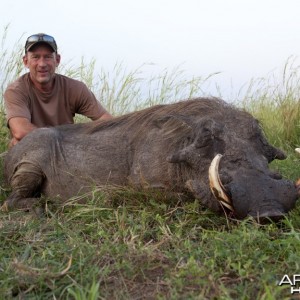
point(48, 39)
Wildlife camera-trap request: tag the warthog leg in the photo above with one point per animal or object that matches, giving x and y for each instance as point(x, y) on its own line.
point(25, 182)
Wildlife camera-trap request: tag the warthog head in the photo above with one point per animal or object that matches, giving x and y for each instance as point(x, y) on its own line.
point(230, 143)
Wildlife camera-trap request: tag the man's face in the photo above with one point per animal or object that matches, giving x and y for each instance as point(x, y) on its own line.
point(42, 62)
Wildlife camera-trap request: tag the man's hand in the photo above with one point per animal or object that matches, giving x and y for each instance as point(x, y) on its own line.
point(12, 142)
point(106, 116)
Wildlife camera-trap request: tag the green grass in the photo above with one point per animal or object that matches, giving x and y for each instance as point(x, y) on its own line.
point(126, 244)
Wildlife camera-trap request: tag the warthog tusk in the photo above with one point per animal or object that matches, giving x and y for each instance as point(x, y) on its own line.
point(216, 185)
point(297, 150)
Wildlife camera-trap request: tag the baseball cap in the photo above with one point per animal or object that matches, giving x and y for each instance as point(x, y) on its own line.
point(40, 38)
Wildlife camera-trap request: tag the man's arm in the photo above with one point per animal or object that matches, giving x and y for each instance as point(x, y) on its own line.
point(19, 127)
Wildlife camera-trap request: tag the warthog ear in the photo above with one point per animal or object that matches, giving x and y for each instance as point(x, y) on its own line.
point(206, 140)
point(173, 127)
point(208, 131)
point(182, 155)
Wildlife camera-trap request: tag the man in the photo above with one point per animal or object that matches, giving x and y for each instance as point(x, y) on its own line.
point(43, 98)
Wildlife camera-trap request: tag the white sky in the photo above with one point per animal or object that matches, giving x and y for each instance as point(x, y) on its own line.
point(243, 39)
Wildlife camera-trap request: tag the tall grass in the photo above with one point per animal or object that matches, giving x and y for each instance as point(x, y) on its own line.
point(275, 101)
point(11, 64)
point(122, 90)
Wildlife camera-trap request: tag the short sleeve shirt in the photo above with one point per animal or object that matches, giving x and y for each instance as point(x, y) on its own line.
point(68, 97)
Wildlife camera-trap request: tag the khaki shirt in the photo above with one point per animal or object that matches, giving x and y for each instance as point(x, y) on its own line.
point(57, 107)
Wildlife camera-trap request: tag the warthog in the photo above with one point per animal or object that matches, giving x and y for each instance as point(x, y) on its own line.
point(201, 147)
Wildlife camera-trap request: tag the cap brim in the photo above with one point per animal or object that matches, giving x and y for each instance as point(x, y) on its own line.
point(40, 42)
